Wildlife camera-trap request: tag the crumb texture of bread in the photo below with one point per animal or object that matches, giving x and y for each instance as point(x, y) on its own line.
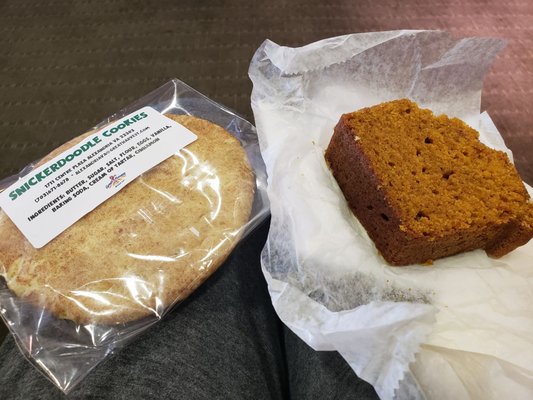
point(149, 245)
point(425, 187)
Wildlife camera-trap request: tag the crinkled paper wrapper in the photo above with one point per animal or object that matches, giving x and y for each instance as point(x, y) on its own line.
point(461, 328)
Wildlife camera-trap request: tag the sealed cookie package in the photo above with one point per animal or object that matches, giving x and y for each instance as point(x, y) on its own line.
point(104, 235)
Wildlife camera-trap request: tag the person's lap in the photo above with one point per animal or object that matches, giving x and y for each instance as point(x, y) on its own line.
point(225, 341)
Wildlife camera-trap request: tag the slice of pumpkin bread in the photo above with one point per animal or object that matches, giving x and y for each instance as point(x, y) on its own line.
point(425, 187)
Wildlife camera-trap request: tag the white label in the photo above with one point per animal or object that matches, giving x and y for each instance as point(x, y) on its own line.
point(52, 197)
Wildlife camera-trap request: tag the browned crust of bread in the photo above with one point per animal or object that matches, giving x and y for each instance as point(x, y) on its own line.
point(148, 246)
point(369, 200)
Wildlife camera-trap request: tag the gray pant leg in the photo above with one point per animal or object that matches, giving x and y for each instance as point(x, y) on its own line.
point(321, 374)
point(221, 343)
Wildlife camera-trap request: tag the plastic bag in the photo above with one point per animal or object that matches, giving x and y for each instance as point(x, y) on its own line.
point(121, 267)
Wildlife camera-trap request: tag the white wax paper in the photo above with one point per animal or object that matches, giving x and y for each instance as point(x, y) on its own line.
point(461, 328)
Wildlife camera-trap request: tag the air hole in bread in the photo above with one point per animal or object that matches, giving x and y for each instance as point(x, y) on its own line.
point(428, 140)
point(447, 175)
point(384, 216)
point(391, 164)
point(424, 169)
point(420, 215)
point(418, 152)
